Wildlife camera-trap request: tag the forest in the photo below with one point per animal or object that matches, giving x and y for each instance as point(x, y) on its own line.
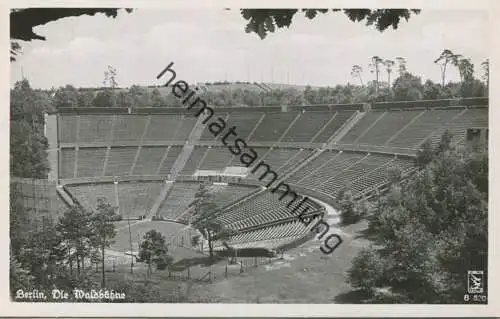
point(386, 80)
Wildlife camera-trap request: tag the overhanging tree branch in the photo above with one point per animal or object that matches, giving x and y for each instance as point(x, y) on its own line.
point(22, 21)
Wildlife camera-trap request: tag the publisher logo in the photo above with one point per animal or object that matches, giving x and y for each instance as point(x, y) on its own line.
point(475, 281)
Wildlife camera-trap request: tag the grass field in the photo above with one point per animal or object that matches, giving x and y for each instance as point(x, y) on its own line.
point(304, 275)
point(138, 229)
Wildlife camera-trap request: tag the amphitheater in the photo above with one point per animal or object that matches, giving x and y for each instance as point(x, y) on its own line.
point(150, 161)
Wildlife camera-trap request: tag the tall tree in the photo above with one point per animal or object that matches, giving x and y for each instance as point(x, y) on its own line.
point(75, 227)
point(376, 63)
point(105, 98)
point(85, 98)
point(110, 78)
point(157, 99)
point(102, 223)
point(140, 96)
point(153, 250)
point(28, 144)
point(465, 69)
point(389, 64)
point(486, 71)
point(408, 88)
point(401, 65)
point(204, 209)
point(356, 72)
point(446, 58)
point(433, 91)
point(66, 96)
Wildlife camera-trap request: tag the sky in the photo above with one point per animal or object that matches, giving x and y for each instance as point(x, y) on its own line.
point(208, 45)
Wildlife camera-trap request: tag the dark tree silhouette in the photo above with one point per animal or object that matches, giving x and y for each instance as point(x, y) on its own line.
point(264, 21)
point(22, 22)
point(260, 21)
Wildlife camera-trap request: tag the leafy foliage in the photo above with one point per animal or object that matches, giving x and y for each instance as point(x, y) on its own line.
point(407, 87)
point(75, 229)
point(205, 223)
point(153, 250)
point(446, 58)
point(28, 144)
point(431, 229)
point(367, 271)
point(260, 21)
point(104, 229)
point(42, 255)
point(22, 21)
point(264, 21)
point(351, 211)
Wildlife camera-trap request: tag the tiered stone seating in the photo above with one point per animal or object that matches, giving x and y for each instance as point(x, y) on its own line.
point(225, 195)
point(185, 128)
point(136, 199)
point(209, 136)
point(306, 126)
point(352, 172)
point(68, 162)
point(278, 156)
point(332, 127)
point(418, 131)
point(311, 166)
point(67, 128)
point(172, 153)
point(273, 126)
point(380, 175)
point(120, 161)
point(244, 123)
point(178, 199)
point(90, 162)
point(265, 207)
point(261, 151)
point(272, 236)
point(216, 159)
point(148, 160)
point(194, 160)
point(294, 161)
point(163, 127)
point(472, 118)
point(330, 169)
point(129, 127)
point(88, 194)
point(360, 127)
point(388, 125)
point(95, 128)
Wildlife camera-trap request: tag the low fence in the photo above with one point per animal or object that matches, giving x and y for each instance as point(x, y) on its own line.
point(222, 270)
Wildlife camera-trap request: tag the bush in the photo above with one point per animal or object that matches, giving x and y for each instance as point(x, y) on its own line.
point(367, 271)
point(351, 211)
point(162, 261)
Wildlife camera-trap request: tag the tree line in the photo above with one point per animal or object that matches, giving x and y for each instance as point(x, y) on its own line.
point(426, 231)
point(400, 85)
point(63, 253)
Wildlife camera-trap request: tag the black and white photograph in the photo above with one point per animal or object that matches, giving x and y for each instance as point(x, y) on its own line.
point(215, 155)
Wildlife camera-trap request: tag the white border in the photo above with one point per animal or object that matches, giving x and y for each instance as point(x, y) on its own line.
point(9, 308)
